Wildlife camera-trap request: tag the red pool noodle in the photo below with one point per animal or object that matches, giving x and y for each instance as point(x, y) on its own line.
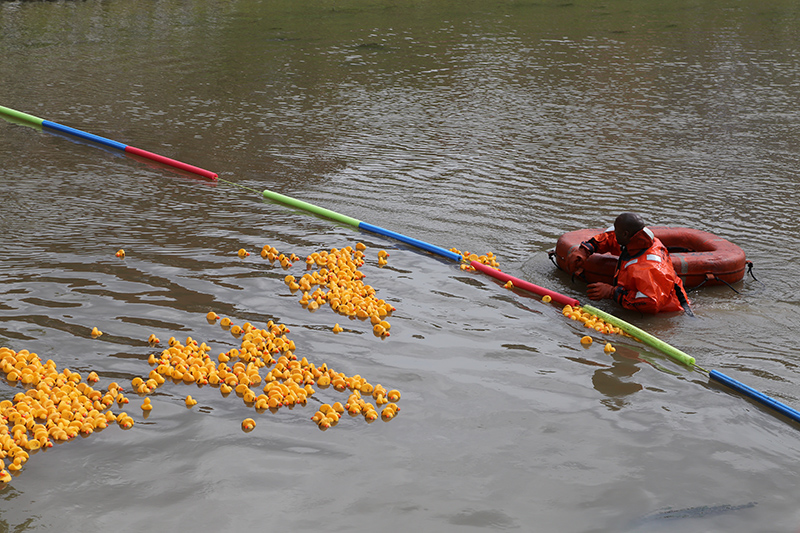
point(172, 163)
point(522, 284)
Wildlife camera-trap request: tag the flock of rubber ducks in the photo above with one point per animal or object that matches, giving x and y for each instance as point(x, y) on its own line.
point(59, 406)
point(288, 382)
point(333, 278)
point(55, 407)
point(329, 415)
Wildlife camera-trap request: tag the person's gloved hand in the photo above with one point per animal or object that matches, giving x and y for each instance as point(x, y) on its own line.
point(599, 290)
point(577, 258)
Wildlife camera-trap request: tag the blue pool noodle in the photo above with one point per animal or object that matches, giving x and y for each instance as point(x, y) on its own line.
point(83, 135)
point(413, 242)
point(752, 393)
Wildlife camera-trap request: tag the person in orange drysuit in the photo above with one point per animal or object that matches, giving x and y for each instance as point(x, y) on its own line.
point(644, 279)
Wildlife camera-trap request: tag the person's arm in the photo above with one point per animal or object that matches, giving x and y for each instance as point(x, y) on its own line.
point(599, 244)
point(603, 243)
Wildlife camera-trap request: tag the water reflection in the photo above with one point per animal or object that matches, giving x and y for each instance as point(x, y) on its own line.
point(614, 381)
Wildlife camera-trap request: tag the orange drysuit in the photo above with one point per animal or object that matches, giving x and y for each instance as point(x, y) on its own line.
point(644, 278)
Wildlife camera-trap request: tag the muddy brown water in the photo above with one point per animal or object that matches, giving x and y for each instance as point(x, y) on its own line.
point(485, 126)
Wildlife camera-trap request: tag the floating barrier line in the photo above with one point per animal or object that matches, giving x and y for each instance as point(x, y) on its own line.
point(30, 120)
point(763, 399)
point(350, 221)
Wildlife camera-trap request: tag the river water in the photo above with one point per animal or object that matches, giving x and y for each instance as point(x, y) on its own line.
point(484, 126)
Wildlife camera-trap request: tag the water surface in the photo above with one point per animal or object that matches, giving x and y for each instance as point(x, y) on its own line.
point(485, 126)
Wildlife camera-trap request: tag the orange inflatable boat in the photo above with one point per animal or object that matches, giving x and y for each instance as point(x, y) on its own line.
point(699, 257)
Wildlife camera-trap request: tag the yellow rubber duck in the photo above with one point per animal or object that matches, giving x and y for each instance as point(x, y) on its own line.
point(609, 348)
point(212, 317)
point(153, 339)
point(547, 298)
point(337, 328)
point(96, 332)
point(16, 466)
point(225, 322)
point(146, 405)
point(124, 421)
point(190, 401)
point(248, 424)
point(509, 284)
point(243, 253)
point(586, 340)
point(393, 395)
point(121, 254)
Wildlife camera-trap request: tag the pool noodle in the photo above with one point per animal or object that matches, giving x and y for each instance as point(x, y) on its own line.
point(25, 118)
point(21, 117)
point(83, 135)
point(643, 336)
point(752, 393)
point(172, 162)
point(437, 250)
point(522, 284)
point(311, 208)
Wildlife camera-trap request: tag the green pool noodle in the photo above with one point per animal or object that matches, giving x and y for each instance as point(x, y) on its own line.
point(305, 206)
point(20, 117)
point(643, 336)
